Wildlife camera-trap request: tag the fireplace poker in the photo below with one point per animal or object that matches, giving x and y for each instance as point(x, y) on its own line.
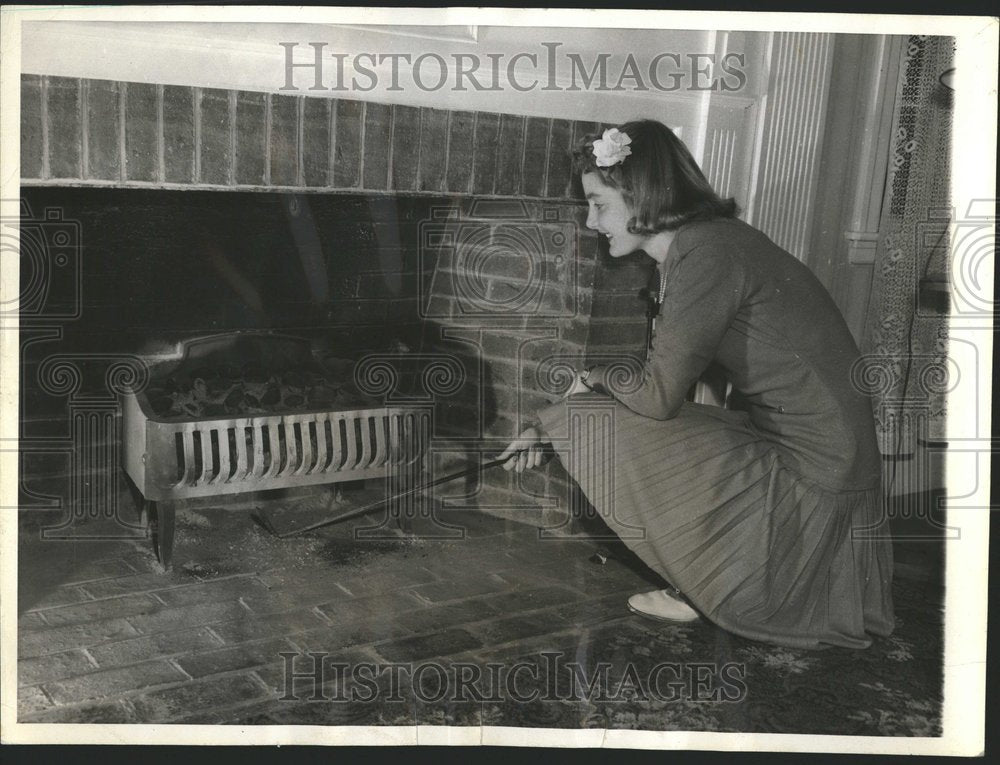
point(265, 521)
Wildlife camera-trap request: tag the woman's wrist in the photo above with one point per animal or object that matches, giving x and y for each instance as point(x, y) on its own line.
point(593, 379)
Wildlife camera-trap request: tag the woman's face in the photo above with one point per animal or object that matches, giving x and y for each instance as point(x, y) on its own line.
point(609, 214)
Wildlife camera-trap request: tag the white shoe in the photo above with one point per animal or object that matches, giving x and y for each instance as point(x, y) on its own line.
point(662, 606)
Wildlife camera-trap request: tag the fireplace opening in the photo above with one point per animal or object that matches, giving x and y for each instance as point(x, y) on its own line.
point(474, 311)
point(158, 266)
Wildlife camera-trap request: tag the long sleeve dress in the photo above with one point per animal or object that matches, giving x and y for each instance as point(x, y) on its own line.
point(769, 521)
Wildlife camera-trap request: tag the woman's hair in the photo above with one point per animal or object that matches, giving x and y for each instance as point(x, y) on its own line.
point(660, 179)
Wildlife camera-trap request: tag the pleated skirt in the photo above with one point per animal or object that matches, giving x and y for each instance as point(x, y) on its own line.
point(713, 508)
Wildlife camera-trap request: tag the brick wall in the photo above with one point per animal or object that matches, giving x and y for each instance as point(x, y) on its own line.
point(526, 285)
point(134, 134)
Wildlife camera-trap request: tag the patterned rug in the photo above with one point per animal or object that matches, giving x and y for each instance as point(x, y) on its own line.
point(708, 680)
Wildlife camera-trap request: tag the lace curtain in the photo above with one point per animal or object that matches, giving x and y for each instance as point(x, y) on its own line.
point(906, 340)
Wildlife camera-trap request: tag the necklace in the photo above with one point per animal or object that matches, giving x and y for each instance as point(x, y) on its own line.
point(654, 313)
point(663, 289)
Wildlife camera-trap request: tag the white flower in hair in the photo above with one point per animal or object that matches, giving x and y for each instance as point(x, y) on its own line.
point(611, 148)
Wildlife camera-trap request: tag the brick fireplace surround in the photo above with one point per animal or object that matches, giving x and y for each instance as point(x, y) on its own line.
point(372, 175)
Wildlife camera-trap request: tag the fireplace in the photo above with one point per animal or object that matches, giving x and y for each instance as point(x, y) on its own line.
point(442, 254)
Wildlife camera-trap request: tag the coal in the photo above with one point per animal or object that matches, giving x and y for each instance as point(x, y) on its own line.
point(226, 389)
point(271, 396)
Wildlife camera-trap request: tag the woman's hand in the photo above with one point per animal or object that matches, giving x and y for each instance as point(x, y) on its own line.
point(578, 385)
point(523, 452)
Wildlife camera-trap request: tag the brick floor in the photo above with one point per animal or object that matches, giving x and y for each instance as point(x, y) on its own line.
point(104, 635)
point(108, 636)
